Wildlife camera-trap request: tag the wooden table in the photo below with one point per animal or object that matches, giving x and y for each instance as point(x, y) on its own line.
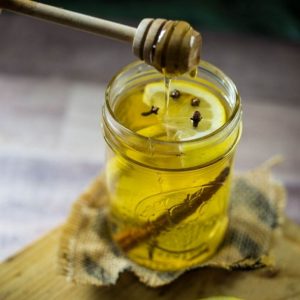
point(52, 83)
point(33, 274)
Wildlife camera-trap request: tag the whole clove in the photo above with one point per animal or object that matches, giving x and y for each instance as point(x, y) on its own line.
point(195, 102)
point(153, 110)
point(175, 94)
point(196, 118)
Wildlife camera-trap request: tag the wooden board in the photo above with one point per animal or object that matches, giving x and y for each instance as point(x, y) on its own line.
point(33, 274)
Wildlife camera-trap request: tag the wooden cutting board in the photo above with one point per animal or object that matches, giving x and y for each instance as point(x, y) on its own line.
point(33, 274)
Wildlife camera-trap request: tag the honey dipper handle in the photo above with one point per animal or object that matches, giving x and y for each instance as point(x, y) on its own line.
point(76, 20)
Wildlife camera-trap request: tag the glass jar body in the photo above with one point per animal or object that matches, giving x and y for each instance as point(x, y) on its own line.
point(169, 200)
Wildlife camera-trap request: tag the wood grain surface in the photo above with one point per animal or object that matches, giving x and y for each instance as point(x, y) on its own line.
point(52, 83)
point(33, 274)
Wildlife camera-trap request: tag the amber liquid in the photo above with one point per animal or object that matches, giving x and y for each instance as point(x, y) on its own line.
point(167, 218)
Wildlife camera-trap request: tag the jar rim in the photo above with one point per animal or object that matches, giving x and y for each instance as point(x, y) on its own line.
point(234, 116)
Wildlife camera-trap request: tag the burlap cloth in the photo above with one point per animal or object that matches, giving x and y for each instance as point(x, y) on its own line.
point(87, 254)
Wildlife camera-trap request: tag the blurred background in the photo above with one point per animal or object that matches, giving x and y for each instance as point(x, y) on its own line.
point(52, 82)
point(279, 18)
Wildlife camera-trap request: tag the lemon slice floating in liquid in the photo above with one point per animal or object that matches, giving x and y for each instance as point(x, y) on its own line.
point(174, 122)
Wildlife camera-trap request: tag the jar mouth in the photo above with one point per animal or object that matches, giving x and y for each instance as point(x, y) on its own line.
point(232, 120)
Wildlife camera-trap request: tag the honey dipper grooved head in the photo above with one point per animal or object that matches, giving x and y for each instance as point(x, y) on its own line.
point(172, 47)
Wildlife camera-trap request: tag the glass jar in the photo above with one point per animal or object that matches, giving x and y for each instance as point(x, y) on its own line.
point(169, 199)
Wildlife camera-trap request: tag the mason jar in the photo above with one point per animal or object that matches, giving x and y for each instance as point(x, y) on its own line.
point(168, 206)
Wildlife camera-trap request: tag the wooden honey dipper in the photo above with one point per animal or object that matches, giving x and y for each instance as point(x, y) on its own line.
point(169, 46)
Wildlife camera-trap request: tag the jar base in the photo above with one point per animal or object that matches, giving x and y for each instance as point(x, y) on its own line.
point(155, 258)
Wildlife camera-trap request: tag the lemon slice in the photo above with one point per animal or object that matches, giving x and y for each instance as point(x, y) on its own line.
point(174, 121)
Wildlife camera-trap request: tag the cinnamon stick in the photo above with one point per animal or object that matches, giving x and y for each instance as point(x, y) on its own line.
point(130, 238)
